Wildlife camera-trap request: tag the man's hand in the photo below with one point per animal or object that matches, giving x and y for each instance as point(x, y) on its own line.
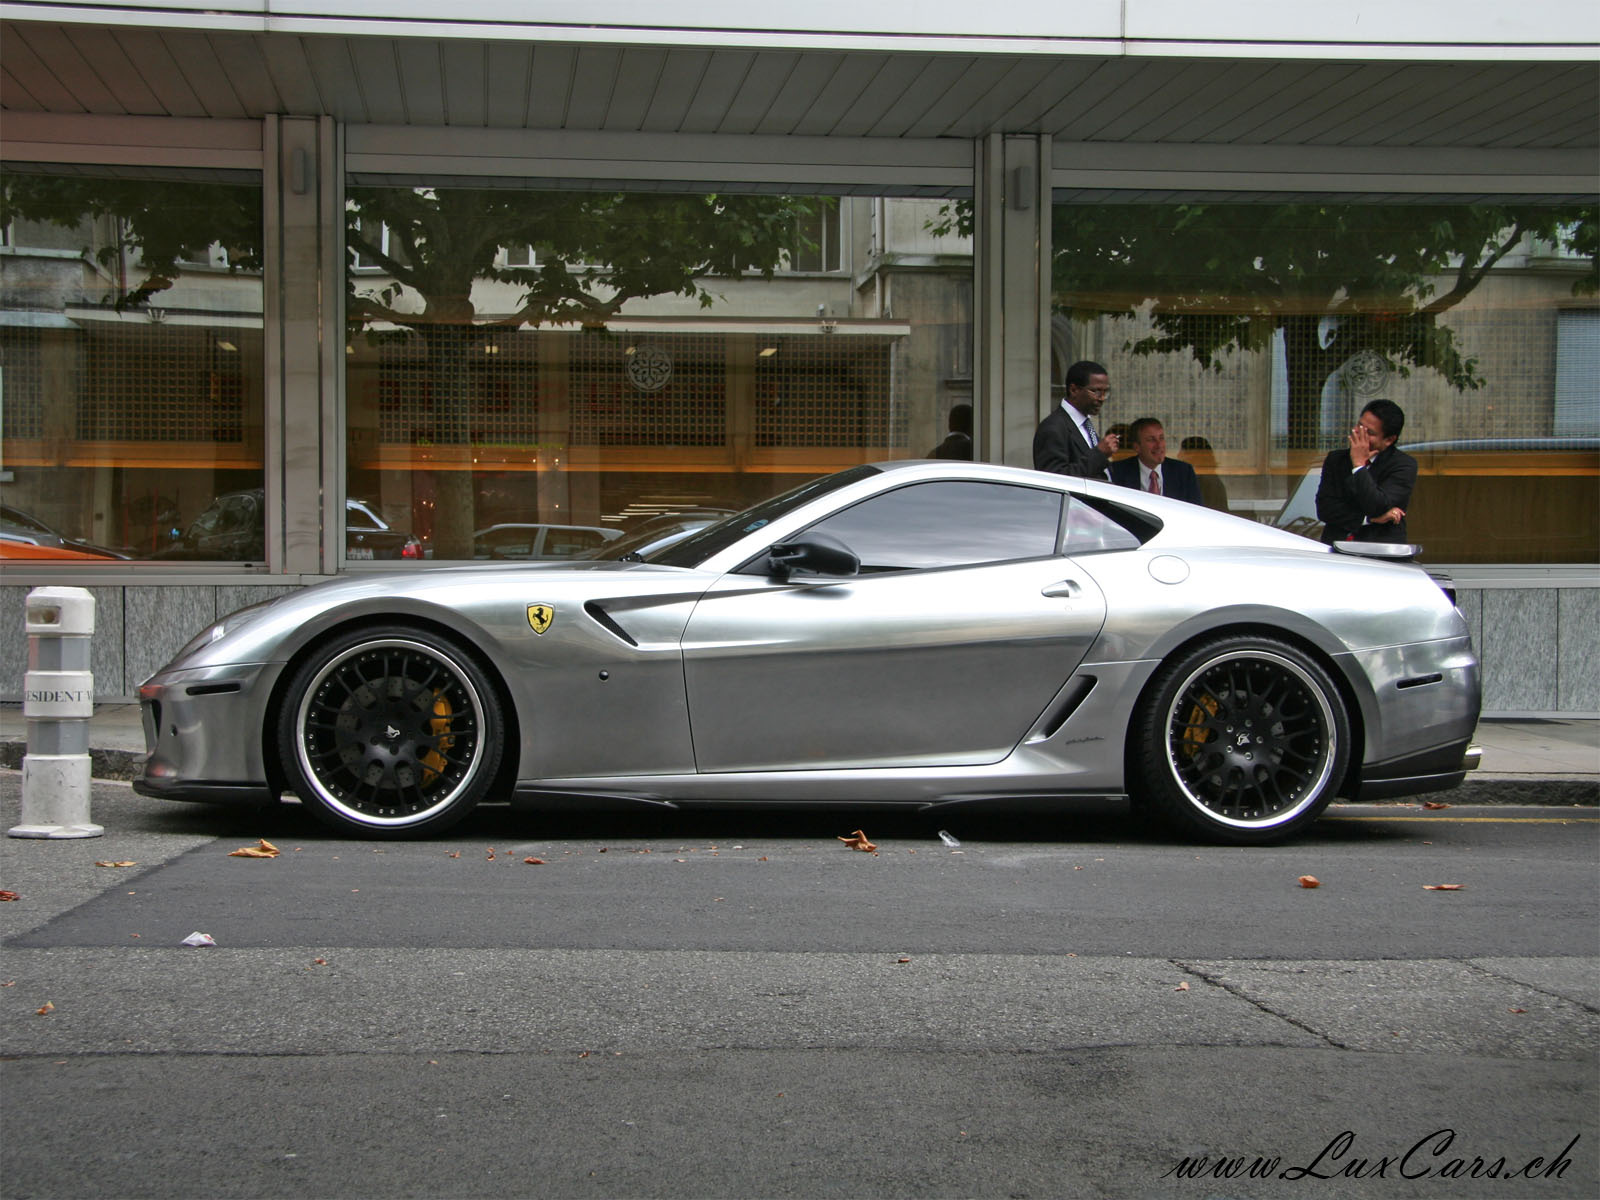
point(1393, 517)
point(1360, 447)
point(1110, 444)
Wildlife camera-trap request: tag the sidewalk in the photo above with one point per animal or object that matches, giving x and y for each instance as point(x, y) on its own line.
point(1524, 762)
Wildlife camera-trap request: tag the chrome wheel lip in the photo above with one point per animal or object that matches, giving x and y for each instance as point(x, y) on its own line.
point(458, 678)
point(1327, 734)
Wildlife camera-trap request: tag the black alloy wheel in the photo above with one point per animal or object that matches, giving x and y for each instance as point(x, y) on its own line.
point(391, 732)
point(1241, 739)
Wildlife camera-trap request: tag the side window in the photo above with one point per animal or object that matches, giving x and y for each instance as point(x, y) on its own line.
point(948, 524)
point(564, 543)
point(1090, 530)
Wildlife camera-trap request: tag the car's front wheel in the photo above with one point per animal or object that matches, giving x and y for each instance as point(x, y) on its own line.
point(1240, 739)
point(390, 732)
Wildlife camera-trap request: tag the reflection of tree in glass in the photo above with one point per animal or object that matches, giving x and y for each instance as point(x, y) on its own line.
point(1223, 277)
point(162, 223)
point(591, 254)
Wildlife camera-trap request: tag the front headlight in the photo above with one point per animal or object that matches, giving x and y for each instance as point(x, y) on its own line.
point(231, 623)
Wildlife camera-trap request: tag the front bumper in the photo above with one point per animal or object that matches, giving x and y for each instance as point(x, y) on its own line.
point(203, 729)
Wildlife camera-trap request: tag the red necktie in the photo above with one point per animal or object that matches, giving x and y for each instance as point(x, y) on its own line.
point(1155, 483)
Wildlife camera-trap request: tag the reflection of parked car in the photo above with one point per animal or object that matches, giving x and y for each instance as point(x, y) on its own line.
point(539, 541)
point(658, 533)
point(19, 529)
point(12, 548)
point(233, 529)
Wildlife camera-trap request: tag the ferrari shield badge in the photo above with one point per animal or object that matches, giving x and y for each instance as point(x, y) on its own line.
point(540, 616)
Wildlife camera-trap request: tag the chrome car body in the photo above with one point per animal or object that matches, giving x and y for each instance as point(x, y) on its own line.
point(916, 633)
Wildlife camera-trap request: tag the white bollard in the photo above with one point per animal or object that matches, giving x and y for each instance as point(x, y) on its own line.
point(57, 701)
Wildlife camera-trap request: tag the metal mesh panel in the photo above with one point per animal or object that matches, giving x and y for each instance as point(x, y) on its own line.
point(495, 383)
point(663, 390)
point(827, 391)
point(160, 383)
point(23, 410)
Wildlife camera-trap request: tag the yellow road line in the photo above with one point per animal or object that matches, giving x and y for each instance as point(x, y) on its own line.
point(1475, 820)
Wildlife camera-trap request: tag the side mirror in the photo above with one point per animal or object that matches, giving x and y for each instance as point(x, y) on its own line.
point(816, 553)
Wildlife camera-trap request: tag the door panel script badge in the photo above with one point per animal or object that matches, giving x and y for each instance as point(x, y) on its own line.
point(540, 616)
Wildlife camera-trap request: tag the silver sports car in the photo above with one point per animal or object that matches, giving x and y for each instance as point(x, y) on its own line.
point(909, 633)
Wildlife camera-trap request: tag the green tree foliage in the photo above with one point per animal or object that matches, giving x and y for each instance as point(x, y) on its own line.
point(161, 224)
point(1336, 279)
point(595, 251)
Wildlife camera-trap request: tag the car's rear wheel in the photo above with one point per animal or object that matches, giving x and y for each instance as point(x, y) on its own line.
point(1241, 739)
point(391, 731)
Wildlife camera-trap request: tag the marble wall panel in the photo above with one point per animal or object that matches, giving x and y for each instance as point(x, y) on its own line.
point(105, 648)
point(233, 597)
point(13, 642)
point(1519, 651)
point(107, 652)
point(159, 620)
point(1578, 640)
point(1470, 602)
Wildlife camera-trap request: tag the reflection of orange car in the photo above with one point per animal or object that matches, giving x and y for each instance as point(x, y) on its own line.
point(11, 548)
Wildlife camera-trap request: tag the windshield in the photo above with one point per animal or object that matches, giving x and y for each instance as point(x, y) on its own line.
point(698, 547)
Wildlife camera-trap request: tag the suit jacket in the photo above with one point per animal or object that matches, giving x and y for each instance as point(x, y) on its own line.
point(1059, 447)
point(955, 445)
point(1346, 497)
point(1178, 479)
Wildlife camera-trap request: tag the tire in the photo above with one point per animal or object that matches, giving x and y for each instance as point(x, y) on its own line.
point(1240, 739)
point(390, 732)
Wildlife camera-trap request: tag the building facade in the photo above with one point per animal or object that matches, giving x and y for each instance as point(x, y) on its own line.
point(285, 295)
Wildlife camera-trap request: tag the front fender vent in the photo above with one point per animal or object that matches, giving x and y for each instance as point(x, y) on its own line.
point(602, 618)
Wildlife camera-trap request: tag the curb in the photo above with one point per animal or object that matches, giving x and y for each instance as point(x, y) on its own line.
point(1567, 791)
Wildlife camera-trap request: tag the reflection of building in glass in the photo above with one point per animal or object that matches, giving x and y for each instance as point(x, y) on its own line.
point(891, 223)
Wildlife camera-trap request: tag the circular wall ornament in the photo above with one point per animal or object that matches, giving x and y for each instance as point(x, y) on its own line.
point(1367, 373)
point(649, 368)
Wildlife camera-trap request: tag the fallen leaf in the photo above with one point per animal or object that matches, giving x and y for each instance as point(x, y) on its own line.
point(1443, 887)
point(904, 960)
point(9, 896)
point(321, 962)
point(46, 1010)
point(1310, 881)
point(1182, 987)
point(1434, 804)
point(534, 862)
point(858, 841)
point(9, 983)
point(1517, 1010)
point(585, 1054)
point(262, 849)
point(455, 854)
point(121, 863)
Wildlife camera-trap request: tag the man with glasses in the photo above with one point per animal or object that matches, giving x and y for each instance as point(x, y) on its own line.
point(1067, 442)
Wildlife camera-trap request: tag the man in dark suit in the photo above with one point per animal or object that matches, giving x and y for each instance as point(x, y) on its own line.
point(1366, 488)
point(1150, 470)
point(1066, 441)
point(958, 443)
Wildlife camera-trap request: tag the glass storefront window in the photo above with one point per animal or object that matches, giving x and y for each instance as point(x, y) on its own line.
point(130, 369)
point(543, 369)
point(1256, 332)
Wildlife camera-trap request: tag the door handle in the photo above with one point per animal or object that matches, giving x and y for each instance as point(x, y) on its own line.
point(1068, 588)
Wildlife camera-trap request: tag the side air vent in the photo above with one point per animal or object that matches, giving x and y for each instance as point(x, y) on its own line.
point(1065, 707)
point(603, 618)
point(210, 689)
point(1419, 681)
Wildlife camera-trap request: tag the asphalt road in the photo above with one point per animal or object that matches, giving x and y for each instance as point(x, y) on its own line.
point(709, 1005)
